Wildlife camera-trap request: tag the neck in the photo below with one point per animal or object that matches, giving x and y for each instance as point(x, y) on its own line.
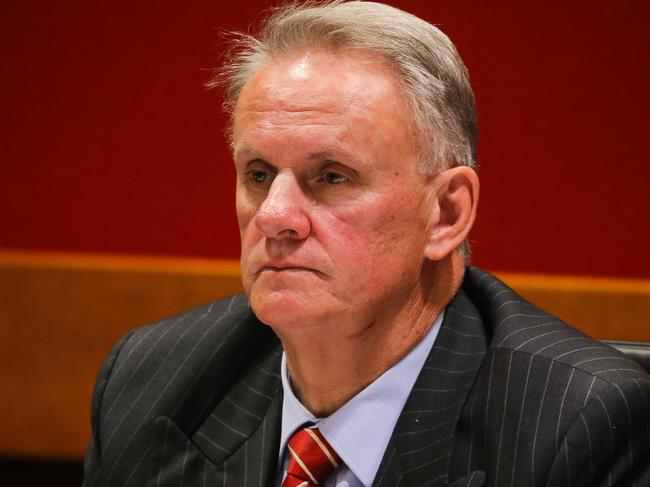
point(328, 365)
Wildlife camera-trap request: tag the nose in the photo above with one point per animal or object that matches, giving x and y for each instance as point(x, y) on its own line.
point(282, 213)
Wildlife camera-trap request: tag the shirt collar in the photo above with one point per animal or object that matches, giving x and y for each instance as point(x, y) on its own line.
point(353, 430)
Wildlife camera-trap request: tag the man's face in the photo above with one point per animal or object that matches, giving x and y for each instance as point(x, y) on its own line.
point(332, 213)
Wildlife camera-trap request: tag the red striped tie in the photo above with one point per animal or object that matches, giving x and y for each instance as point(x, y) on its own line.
point(311, 459)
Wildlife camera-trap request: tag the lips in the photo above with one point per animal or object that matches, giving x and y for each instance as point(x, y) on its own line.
point(286, 267)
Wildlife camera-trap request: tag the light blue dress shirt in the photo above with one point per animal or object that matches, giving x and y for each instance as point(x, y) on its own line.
point(359, 430)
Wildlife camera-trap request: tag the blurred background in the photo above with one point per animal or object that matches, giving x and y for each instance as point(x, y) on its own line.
point(117, 187)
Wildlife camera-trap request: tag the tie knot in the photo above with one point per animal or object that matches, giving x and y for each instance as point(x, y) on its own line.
point(311, 459)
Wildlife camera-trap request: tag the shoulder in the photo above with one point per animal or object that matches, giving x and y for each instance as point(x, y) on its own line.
point(573, 400)
point(160, 368)
point(555, 368)
point(178, 343)
point(196, 330)
point(515, 325)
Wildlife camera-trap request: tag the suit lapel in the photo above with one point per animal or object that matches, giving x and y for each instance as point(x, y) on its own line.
point(423, 439)
point(236, 444)
point(241, 436)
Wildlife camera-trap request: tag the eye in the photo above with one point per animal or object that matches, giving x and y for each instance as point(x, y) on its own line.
point(258, 176)
point(333, 178)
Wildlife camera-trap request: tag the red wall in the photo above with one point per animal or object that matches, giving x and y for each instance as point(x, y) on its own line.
point(108, 142)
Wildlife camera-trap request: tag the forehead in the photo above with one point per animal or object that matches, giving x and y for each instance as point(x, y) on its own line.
point(311, 83)
point(310, 101)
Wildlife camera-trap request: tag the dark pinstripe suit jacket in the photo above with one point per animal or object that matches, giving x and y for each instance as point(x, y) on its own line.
point(509, 396)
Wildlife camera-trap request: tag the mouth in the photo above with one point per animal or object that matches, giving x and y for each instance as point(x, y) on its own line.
point(290, 268)
point(286, 269)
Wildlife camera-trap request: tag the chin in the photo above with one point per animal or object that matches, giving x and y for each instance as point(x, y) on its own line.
point(284, 309)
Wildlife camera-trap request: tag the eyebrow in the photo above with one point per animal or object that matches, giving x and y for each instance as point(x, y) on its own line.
point(246, 150)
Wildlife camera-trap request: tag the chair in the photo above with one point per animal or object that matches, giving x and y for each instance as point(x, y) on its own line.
point(637, 351)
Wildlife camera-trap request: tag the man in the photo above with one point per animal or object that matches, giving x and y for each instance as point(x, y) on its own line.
point(365, 352)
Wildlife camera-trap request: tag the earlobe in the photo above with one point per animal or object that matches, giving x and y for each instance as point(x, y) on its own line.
point(456, 202)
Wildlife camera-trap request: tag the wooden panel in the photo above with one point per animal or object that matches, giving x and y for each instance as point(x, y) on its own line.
point(61, 313)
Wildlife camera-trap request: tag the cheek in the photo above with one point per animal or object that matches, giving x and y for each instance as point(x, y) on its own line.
point(249, 236)
point(383, 220)
point(246, 209)
point(374, 236)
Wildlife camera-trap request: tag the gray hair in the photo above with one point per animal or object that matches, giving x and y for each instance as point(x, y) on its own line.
point(430, 72)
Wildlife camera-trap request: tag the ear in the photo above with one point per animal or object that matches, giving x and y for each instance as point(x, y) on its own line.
point(456, 198)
